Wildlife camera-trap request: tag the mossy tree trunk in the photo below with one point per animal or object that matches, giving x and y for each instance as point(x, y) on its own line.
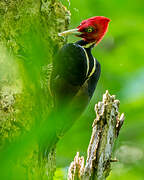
point(19, 21)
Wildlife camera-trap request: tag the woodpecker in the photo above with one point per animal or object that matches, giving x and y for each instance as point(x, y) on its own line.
point(76, 72)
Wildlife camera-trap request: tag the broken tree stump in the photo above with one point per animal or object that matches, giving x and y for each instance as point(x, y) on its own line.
point(105, 130)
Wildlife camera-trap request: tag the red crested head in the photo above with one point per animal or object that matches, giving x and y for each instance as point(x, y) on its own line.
point(93, 29)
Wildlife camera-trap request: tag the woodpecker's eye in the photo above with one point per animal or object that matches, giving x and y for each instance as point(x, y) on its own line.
point(89, 29)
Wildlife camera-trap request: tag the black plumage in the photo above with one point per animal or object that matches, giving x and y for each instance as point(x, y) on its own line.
point(73, 81)
point(71, 72)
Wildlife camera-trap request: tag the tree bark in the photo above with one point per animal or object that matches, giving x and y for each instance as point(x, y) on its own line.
point(20, 22)
point(105, 130)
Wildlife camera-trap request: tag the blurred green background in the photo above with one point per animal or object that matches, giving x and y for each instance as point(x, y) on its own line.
point(121, 55)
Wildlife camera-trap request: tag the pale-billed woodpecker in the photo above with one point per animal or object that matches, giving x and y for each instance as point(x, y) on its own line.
point(76, 72)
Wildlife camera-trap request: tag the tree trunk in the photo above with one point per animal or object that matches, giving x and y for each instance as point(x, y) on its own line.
point(28, 40)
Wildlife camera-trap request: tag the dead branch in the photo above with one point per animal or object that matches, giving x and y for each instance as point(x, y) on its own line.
point(105, 130)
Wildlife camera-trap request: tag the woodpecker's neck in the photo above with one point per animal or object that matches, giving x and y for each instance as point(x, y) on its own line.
point(85, 44)
point(91, 62)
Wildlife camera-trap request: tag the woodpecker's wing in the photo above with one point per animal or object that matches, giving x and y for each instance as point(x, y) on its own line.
point(71, 63)
point(69, 71)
